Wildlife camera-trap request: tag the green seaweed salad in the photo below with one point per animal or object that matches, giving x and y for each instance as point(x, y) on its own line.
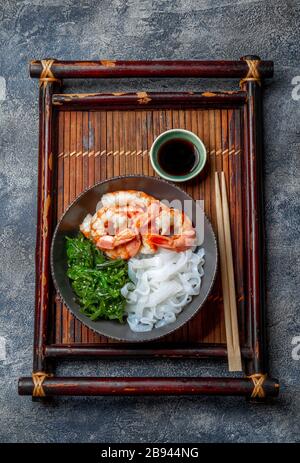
point(96, 280)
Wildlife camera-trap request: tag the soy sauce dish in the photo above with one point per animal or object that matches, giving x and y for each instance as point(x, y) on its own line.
point(178, 155)
point(135, 283)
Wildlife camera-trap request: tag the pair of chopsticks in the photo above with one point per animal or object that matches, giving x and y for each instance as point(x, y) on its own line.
point(227, 276)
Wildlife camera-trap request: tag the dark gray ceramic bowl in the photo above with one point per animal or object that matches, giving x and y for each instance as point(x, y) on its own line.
point(69, 226)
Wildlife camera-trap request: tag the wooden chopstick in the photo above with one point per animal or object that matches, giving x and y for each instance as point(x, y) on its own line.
point(227, 276)
point(223, 264)
point(230, 270)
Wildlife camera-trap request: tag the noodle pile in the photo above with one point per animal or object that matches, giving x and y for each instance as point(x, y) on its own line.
point(161, 285)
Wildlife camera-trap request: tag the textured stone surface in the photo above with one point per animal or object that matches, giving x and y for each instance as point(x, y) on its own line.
point(132, 29)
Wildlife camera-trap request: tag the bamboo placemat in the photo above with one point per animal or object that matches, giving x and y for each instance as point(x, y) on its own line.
point(95, 145)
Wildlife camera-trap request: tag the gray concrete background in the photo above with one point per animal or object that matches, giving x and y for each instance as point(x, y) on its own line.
point(132, 29)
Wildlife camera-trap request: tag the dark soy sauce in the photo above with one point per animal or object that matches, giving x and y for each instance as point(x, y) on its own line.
point(177, 156)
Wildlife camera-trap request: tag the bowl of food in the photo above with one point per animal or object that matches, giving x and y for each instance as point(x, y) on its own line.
point(134, 258)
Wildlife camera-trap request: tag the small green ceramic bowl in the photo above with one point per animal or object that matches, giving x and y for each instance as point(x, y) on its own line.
point(183, 135)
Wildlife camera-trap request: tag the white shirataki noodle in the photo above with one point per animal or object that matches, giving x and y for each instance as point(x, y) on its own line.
point(161, 286)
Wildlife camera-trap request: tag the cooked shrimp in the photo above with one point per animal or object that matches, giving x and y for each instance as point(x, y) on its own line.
point(111, 220)
point(85, 227)
point(113, 226)
point(184, 233)
point(111, 242)
point(145, 222)
point(132, 220)
point(115, 217)
point(126, 197)
point(125, 251)
point(147, 246)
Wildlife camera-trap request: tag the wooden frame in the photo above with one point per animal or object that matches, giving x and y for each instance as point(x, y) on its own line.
point(251, 70)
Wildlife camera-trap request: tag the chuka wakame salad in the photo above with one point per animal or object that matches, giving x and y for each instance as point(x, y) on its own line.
point(96, 279)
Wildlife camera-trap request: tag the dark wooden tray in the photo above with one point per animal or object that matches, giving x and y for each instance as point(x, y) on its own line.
point(85, 138)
